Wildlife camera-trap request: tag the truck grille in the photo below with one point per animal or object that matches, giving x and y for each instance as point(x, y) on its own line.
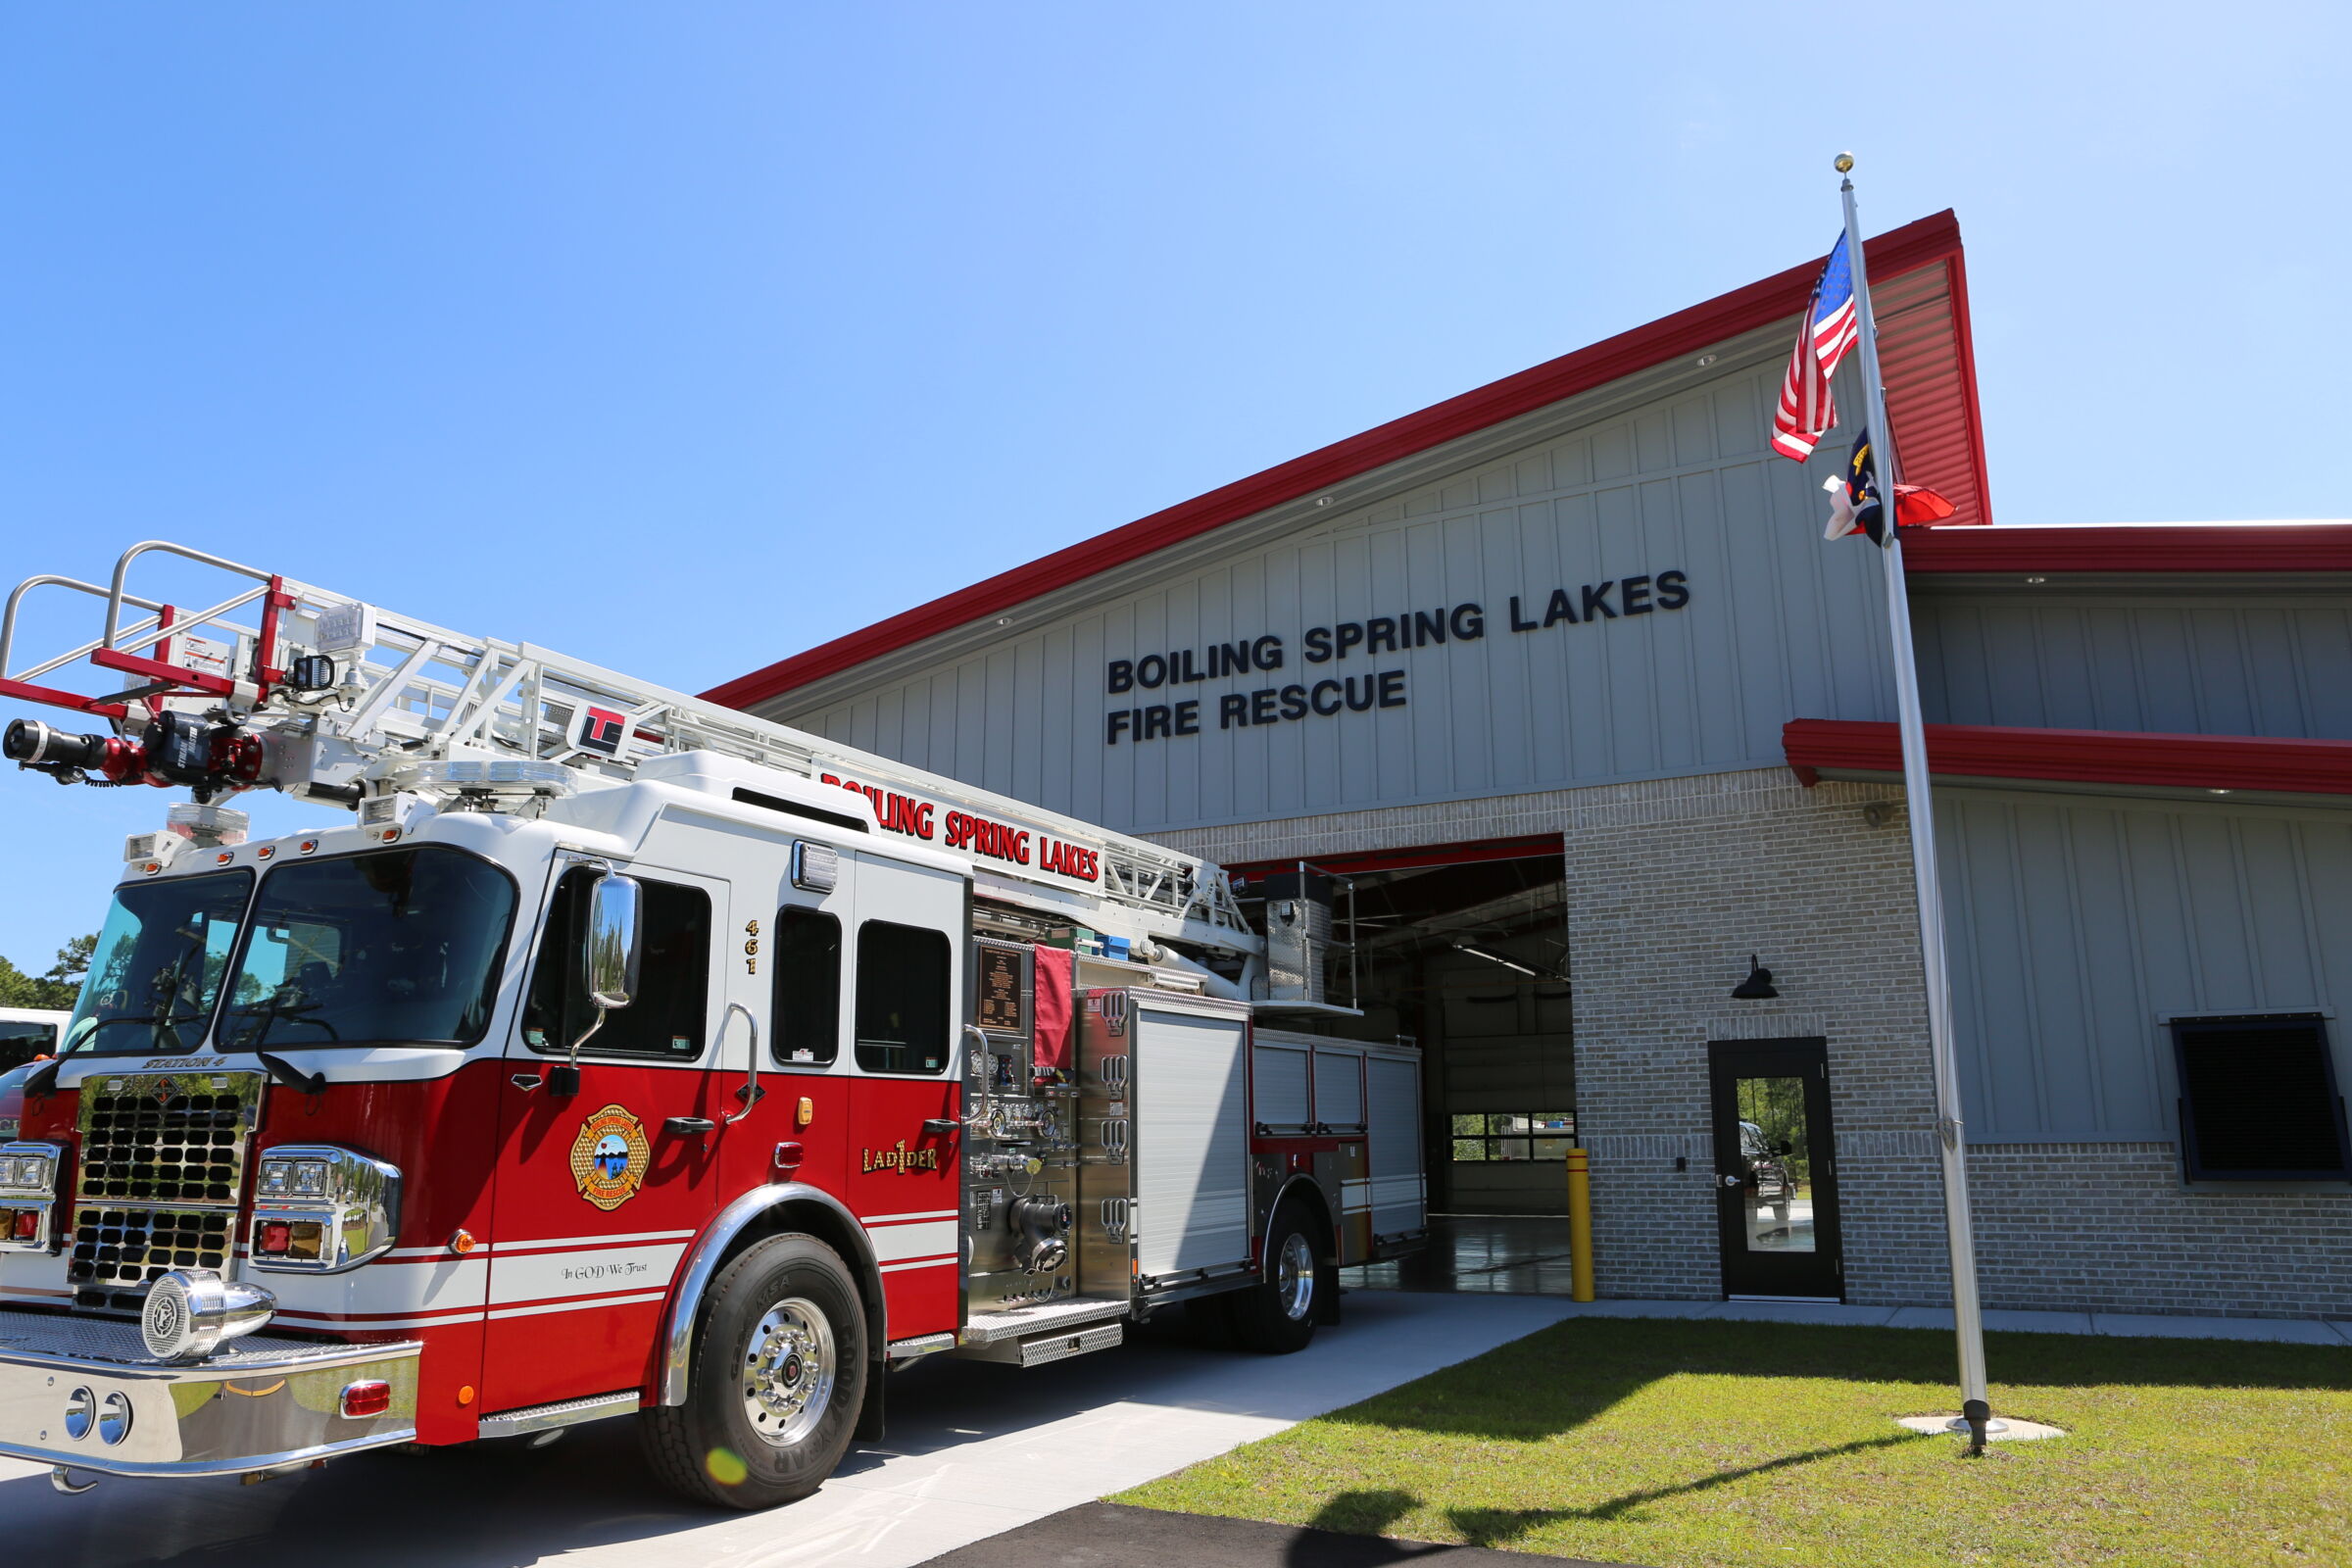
point(117, 1250)
point(161, 1165)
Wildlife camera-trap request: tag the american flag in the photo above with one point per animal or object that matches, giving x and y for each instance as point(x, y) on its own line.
point(1832, 327)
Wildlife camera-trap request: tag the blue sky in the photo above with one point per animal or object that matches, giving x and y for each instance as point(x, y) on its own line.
point(682, 338)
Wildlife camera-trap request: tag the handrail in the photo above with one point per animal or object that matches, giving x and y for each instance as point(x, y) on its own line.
point(113, 604)
point(751, 1091)
point(8, 619)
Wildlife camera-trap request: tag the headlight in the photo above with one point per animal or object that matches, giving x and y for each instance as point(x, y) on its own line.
point(189, 1312)
point(320, 1210)
point(27, 1195)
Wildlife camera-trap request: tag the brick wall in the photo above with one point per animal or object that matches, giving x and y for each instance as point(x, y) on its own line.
point(1669, 892)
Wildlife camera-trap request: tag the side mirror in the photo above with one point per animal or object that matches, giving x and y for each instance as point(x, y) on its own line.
point(1786, 1148)
point(614, 940)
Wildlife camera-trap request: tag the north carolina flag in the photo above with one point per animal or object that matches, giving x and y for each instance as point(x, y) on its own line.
point(1855, 505)
point(1831, 329)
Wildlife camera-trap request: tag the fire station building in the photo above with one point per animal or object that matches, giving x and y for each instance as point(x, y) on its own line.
point(1561, 684)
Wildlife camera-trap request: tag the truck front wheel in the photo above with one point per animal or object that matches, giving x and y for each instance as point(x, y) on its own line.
point(778, 1378)
point(1277, 1315)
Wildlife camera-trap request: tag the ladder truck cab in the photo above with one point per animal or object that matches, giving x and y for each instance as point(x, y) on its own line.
point(602, 1052)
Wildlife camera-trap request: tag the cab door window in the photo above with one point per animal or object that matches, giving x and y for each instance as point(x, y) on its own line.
point(665, 1019)
point(903, 1022)
point(807, 988)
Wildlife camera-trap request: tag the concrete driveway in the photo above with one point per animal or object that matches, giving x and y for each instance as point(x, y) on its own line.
point(975, 1449)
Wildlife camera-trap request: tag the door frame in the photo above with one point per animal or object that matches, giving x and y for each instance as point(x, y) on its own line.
point(1819, 1275)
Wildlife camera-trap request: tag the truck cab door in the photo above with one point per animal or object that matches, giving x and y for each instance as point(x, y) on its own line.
point(791, 957)
point(904, 1179)
point(600, 1192)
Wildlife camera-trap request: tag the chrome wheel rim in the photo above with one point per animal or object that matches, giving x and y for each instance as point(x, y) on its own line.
point(787, 1372)
point(1295, 1276)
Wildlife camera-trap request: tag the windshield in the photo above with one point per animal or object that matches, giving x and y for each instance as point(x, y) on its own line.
point(157, 965)
point(399, 947)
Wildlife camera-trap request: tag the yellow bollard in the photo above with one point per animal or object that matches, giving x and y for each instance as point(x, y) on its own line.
point(1580, 1226)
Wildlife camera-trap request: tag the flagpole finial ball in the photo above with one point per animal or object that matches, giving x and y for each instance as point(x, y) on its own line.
point(1846, 162)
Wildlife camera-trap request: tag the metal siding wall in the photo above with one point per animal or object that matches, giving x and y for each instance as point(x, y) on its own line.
point(2075, 925)
point(2219, 668)
point(1777, 627)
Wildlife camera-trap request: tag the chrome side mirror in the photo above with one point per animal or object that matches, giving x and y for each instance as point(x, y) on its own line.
point(609, 949)
point(614, 940)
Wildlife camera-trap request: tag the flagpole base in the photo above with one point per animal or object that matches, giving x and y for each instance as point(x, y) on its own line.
point(1995, 1430)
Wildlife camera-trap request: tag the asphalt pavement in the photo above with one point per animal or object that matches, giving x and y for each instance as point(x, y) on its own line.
point(975, 1449)
point(1105, 1534)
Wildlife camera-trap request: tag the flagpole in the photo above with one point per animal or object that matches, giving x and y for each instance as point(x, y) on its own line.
point(1968, 1317)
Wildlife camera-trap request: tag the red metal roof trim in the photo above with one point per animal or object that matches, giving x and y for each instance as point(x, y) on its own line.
point(2224, 547)
point(1891, 255)
point(1932, 387)
point(2077, 755)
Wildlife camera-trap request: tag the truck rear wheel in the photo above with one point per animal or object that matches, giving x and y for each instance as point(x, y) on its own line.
point(776, 1381)
point(1277, 1315)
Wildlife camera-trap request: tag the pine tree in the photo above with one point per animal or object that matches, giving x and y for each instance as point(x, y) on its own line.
point(59, 989)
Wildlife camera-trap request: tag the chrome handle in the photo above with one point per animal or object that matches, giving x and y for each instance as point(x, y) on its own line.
point(752, 1091)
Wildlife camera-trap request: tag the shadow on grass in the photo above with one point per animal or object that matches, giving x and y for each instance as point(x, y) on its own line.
point(1491, 1527)
point(1562, 1377)
point(1371, 1513)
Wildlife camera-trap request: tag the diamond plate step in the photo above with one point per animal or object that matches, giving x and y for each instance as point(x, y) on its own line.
point(562, 1414)
point(986, 1328)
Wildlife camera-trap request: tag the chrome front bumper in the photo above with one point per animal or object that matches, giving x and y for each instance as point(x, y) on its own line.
point(264, 1402)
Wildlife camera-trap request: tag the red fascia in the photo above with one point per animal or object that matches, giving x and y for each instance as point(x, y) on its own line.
point(1727, 315)
point(2075, 756)
point(1361, 861)
point(2220, 547)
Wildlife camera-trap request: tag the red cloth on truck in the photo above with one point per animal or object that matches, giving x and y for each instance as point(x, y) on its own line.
point(1056, 969)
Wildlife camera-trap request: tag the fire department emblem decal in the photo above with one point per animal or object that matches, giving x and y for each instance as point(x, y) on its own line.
point(608, 1159)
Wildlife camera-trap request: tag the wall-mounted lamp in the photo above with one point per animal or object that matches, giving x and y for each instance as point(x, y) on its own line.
point(1757, 986)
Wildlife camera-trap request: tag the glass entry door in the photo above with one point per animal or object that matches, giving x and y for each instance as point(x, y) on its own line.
point(1776, 1177)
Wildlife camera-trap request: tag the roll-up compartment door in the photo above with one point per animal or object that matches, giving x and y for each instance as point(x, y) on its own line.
point(1399, 1201)
point(1280, 1072)
point(1339, 1085)
point(1191, 1138)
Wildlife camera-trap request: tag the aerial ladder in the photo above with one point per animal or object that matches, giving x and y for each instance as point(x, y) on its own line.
point(284, 685)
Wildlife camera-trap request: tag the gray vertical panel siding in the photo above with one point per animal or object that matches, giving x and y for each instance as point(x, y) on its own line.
point(2076, 925)
point(2243, 667)
point(1778, 626)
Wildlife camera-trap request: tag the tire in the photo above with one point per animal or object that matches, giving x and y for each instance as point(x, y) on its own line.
point(775, 1384)
point(1277, 1315)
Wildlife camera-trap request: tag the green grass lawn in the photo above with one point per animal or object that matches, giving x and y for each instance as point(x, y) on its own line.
point(1694, 1444)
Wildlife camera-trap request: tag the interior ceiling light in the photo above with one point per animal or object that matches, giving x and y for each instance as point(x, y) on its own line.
point(1507, 963)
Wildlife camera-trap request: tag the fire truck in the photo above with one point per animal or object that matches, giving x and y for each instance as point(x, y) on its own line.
point(604, 1052)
